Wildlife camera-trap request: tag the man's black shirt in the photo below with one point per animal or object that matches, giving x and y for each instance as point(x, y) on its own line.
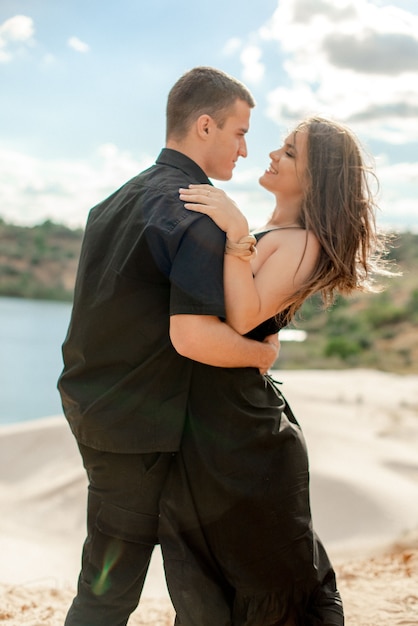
point(144, 257)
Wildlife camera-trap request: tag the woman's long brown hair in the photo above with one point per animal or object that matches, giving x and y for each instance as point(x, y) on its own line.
point(340, 209)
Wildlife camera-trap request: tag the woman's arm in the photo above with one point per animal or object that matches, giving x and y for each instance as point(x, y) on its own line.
point(256, 290)
point(241, 297)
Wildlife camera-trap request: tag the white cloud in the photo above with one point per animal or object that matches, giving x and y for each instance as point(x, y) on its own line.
point(79, 46)
point(232, 46)
point(352, 60)
point(398, 192)
point(253, 69)
point(33, 190)
point(48, 60)
point(17, 29)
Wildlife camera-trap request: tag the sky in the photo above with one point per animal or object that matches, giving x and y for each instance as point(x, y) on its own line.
point(84, 87)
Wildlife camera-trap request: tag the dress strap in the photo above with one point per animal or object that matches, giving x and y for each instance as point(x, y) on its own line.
point(283, 407)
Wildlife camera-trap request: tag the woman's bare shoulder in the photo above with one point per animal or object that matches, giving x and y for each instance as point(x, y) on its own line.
point(294, 244)
point(275, 237)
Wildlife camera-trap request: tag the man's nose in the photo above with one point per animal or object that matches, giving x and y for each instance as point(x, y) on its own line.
point(243, 151)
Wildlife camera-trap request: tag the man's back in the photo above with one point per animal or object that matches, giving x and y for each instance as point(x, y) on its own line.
point(122, 377)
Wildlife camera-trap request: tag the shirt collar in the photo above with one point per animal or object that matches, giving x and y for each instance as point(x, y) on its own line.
point(171, 157)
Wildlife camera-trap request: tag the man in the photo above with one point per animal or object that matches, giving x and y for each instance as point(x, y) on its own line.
point(148, 268)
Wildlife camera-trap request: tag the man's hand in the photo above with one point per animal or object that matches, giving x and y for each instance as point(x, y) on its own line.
point(274, 342)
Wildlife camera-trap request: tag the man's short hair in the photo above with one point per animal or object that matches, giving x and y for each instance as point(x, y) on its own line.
point(202, 90)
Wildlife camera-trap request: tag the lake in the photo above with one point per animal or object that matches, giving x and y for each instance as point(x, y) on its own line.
point(31, 334)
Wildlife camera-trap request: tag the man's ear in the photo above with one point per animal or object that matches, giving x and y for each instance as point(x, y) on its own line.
point(203, 125)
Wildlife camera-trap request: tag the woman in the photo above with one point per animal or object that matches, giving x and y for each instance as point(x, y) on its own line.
point(236, 528)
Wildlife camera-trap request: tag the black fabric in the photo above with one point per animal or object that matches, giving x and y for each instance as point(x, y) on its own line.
point(235, 525)
point(122, 522)
point(144, 257)
point(269, 327)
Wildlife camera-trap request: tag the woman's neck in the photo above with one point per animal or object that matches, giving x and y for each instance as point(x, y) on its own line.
point(284, 217)
point(282, 224)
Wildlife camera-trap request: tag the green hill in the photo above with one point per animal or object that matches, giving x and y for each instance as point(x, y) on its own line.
point(375, 330)
point(38, 262)
point(378, 331)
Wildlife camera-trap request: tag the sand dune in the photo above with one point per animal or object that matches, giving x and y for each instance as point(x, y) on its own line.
point(362, 433)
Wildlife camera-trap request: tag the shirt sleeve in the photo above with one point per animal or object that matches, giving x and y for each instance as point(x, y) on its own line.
point(197, 271)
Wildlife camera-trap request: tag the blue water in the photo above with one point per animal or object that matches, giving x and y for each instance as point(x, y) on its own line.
point(31, 334)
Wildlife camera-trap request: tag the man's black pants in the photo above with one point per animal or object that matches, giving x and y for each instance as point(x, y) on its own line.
point(122, 526)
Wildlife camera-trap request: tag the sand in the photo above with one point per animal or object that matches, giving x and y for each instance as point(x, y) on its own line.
point(361, 428)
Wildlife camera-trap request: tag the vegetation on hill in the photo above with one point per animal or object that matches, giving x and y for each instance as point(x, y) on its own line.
point(378, 330)
point(38, 262)
point(369, 330)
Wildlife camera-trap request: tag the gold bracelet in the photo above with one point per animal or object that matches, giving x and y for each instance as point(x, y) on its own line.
point(244, 248)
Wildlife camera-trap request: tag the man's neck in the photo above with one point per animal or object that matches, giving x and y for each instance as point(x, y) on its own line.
point(188, 149)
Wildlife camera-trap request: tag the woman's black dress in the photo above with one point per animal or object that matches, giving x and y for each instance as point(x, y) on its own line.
point(236, 530)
